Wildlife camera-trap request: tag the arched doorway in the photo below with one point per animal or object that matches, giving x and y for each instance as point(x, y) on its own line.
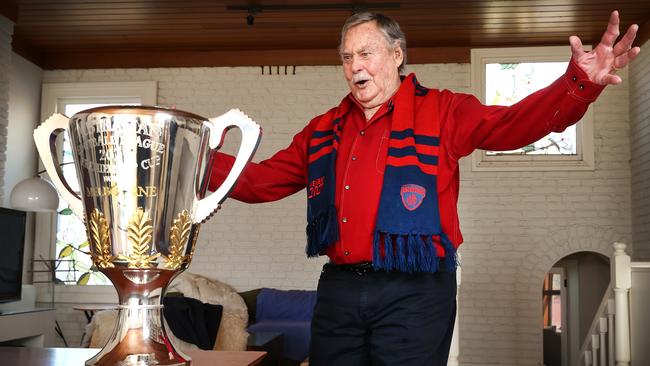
point(572, 290)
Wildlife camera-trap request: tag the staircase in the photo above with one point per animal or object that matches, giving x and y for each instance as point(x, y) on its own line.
point(620, 332)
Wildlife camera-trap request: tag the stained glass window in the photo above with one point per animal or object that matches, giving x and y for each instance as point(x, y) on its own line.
point(508, 83)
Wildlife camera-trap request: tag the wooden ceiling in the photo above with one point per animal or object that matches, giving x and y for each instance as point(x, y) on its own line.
point(63, 34)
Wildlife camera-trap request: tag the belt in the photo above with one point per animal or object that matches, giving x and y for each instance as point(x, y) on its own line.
point(361, 269)
point(365, 268)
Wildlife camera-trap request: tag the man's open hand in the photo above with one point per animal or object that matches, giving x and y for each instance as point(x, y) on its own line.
point(608, 56)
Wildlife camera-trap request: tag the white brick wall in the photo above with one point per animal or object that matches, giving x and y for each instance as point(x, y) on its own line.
point(516, 224)
point(6, 31)
point(640, 151)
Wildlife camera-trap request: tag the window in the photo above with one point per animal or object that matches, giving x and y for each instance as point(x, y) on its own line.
point(66, 230)
point(552, 301)
point(504, 77)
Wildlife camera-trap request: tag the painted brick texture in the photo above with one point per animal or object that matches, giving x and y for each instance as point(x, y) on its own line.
point(516, 224)
point(6, 32)
point(640, 154)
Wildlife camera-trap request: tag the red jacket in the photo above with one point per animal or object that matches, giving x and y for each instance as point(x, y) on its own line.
point(466, 125)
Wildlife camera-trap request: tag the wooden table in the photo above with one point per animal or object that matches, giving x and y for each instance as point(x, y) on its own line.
point(33, 356)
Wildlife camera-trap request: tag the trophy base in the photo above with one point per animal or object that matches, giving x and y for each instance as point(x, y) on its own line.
point(124, 355)
point(137, 346)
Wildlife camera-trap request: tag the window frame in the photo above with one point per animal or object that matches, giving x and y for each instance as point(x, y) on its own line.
point(547, 297)
point(53, 97)
point(584, 160)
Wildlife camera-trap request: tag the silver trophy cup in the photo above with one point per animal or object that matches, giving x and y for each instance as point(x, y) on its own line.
point(143, 174)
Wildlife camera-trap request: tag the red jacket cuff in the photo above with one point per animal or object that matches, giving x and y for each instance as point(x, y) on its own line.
point(579, 85)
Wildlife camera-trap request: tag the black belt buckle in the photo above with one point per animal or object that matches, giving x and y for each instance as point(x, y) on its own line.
point(360, 269)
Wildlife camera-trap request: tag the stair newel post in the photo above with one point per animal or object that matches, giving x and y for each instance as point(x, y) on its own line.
point(622, 280)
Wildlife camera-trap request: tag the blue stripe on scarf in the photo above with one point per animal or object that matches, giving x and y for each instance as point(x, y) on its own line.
point(427, 140)
point(420, 90)
point(419, 139)
point(401, 135)
point(319, 134)
point(410, 151)
point(314, 149)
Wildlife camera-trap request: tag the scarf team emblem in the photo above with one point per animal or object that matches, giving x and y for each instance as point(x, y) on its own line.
point(412, 196)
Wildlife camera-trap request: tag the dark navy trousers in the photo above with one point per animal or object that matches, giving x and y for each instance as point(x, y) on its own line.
point(382, 318)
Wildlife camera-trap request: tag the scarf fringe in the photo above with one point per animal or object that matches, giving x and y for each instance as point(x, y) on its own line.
point(451, 259)
point(322, 232)
point(411, 253)
point(431, 254)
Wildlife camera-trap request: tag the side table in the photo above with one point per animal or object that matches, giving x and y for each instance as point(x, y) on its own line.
point(89, 311)
point(269, 342)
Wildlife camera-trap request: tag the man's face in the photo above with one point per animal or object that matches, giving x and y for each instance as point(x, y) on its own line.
point(370, 64)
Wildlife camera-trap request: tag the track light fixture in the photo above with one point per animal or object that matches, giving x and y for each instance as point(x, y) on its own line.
point(250, 18)
point(254, 9)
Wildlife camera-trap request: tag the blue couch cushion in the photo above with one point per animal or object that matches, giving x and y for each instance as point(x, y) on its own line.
point(273, 304)
point(295, 336)
point(288, 312)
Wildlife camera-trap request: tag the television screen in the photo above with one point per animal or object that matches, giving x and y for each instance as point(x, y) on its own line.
point(12, 245)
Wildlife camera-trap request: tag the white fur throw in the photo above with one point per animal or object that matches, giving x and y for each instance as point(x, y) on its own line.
point(231, 336)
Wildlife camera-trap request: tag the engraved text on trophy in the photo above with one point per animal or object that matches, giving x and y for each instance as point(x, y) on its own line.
point(111, 139)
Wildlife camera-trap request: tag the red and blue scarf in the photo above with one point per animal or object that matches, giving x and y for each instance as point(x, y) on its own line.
point(408, 219)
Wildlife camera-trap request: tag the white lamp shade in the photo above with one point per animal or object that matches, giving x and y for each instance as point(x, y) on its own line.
point(34, 194)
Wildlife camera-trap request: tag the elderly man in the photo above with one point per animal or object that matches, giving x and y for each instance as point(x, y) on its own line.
point(381, 172)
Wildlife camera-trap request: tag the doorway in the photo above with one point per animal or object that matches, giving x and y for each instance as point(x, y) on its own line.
point(571, 293)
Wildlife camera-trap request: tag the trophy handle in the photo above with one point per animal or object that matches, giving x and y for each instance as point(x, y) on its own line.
point(251, 133)
point(45, 138)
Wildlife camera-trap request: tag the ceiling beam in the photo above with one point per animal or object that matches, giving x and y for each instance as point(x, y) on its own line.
point(89, 59)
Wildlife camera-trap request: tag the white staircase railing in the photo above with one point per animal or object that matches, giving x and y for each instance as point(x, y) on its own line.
point(599, 338)
point(608, 340)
